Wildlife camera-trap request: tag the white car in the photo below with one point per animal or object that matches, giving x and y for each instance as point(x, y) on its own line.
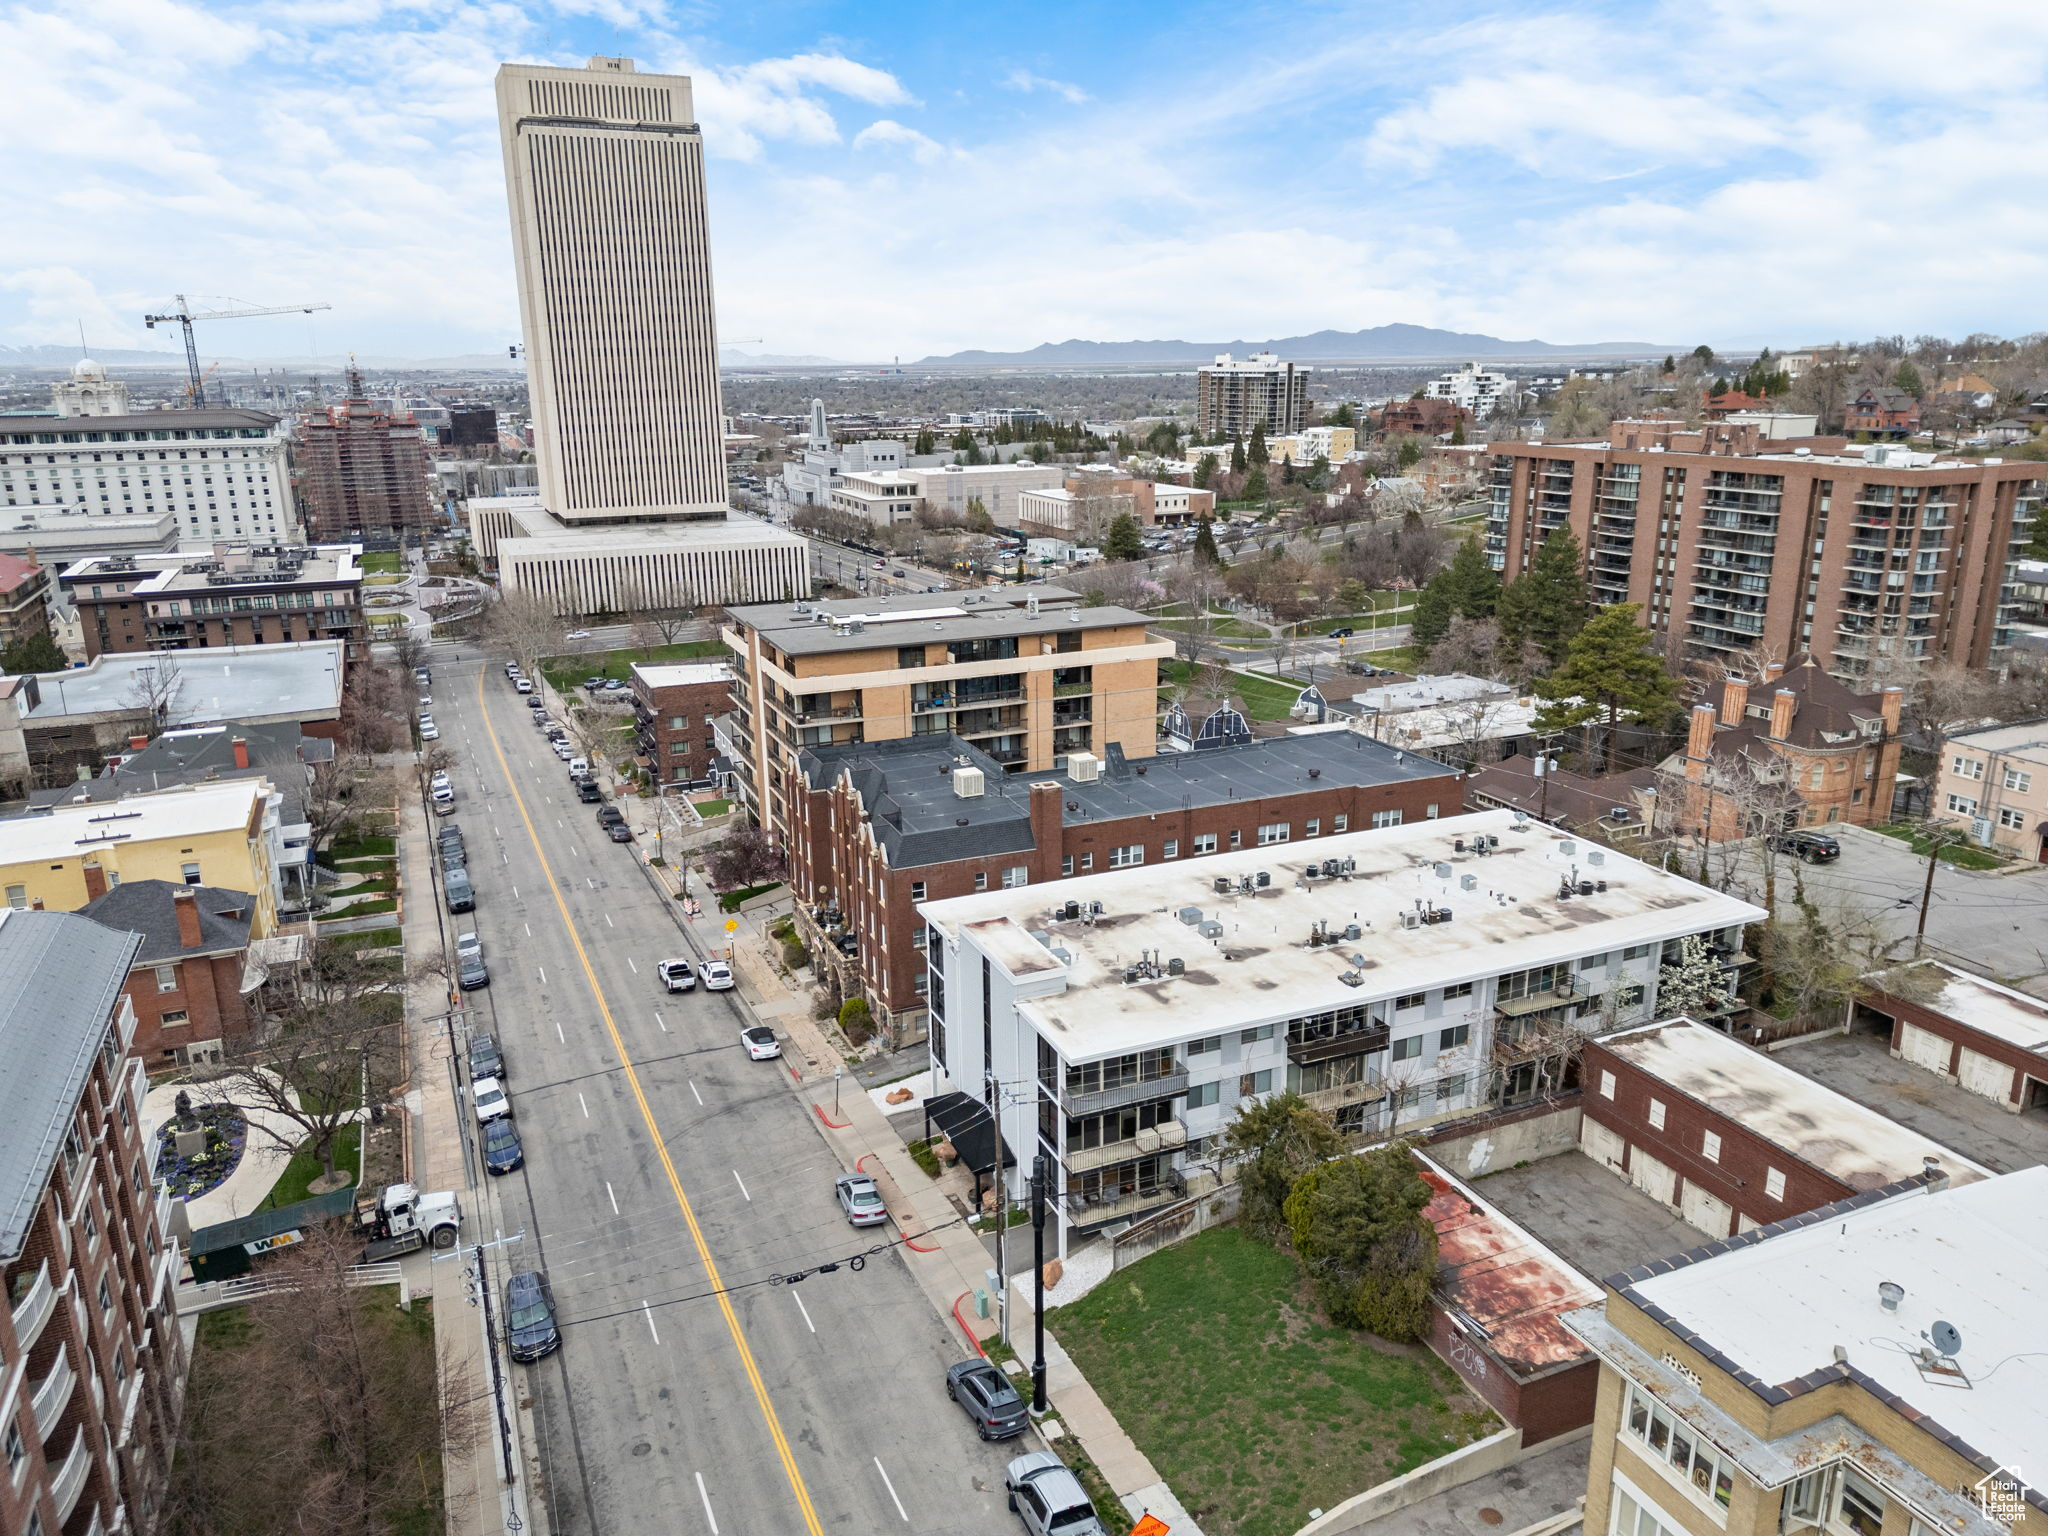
point(677, 976)
point(430, 732)
point(522, 685)
point(716, 976)
point(564, 751)
point(468, 946)
point(760, 1042)
point(577, 634)
point(491, 1102)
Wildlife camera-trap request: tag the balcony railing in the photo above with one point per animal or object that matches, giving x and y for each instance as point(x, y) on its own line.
point(1357, 1042)
point(35, 1298)
point(1157, 1139)
point(1090, 1212)
point(1160, 1085)
point(1364, 1091)
point(67, 1481)
point(52, 1393)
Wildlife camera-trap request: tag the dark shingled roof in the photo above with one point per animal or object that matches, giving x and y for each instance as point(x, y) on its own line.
point(205, 754)
point(1574, 799)
point(49, 1033)
point(906, 785)
point(148, 909)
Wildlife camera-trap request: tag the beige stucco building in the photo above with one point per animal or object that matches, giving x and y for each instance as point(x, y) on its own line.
point(1995, 783)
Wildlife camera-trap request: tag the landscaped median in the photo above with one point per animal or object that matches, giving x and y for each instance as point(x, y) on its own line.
point(1215, 1359)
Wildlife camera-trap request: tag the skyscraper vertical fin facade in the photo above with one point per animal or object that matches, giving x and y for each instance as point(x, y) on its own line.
point(604, 170)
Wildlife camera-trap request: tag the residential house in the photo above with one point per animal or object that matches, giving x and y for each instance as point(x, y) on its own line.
point(673, 708)
point(1883, 413)
point(1994, 782)
point(1614, 808)
point(186, 983)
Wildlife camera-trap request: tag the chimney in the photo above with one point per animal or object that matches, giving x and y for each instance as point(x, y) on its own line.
point(185, 902)
point(35, 904)
point(241, 752)
point(1734, 700)
point(1888, 708)
point(1699, 739)
point(95, 881)
point(1772, 671)
point(1783, 702)
point(137, 743)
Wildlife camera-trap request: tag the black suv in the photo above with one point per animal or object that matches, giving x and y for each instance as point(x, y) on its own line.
point(610, 815)
point(1811, 847)
point(485, 1059)
point(588, 792)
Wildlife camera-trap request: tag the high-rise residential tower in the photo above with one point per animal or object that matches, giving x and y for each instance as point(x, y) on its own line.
point(604, 169)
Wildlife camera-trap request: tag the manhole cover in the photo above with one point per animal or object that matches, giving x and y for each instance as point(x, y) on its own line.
point(1489, 1516)
point(643, 1448)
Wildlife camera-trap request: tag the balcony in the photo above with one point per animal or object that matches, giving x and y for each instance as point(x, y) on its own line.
point(1086, 1212)
point(1330, 1100)
point(35, 1298)
point(1160, 1085)
point(1159, 1138)
point(1355, 1042)
point(52, 1394)
point(67, 1481)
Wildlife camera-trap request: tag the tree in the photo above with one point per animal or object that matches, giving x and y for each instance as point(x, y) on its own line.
point(1205, 471)
point(1546, 604)
point(526, 627)
point(924, 444)
point(1343, 416)
point(1238, 462)
point(1204, 548)
point(1255, 483)
point(1274, 1141)
point(1407, 453)
point(1705, 355)
point(1614, 673)
point(33, 653)
point(1358, 1226)
point(1670, 363)
point(1694, 985)
point(1124, 541)
point(1256, 451)
point(1458, 431)
point(977, 518)
point(1907, 378)
point(157, 691)
point(745, 858)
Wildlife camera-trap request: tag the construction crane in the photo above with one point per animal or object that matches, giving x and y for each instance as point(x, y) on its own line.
point(185, 314)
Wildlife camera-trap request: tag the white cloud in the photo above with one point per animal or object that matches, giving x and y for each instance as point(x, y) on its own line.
point(1024, 80)
point(887, 133)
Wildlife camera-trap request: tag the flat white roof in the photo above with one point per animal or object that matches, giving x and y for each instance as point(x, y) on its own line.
point(1994, 1010)
point(2028, 739)
point(670, 675)
point(299, 680)
point(1814, 1123)
point(1973, 1256)
point(69, 830)
point(1261, 968)
point(1422, 692)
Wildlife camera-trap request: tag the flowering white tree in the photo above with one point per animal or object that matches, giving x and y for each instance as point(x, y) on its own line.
point(1695, 984)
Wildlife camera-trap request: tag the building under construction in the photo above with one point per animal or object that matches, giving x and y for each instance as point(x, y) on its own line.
point(362, 473)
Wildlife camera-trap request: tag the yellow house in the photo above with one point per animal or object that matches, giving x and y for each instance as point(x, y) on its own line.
point(1875, 1367)
point(217, 834)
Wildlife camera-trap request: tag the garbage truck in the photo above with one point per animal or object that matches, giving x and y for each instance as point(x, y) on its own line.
point(402, 1219)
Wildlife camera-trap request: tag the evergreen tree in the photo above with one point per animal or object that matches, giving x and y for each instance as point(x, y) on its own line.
point(1255, 483)
point(1123, 541)
point(1408, 453)
point(33, 653)
point(1474, 585)
point(1204, 547)
point(925, 442)
point(1705, 354)
point(1205, 471)
point(1614, 672)
point(1286, 470)
point(1237, 459)
point(1343, 416)
point(1546, 604)
point(1358, 1226)
point(1257, 451)
point(1670, 363)
point(1430, 619)
point(1458, 431)
point(963, 440)
point(1907, 378)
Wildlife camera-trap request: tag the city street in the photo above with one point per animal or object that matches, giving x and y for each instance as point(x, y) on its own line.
point(668, 1178)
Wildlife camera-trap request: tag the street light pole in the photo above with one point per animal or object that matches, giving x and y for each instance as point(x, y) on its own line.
point(1040, 1174)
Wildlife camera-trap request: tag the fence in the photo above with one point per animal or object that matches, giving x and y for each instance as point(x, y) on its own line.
point(213, 1295)
point(1170, 1224)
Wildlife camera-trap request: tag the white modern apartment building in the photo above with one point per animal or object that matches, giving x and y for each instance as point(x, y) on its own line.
point(1473, 387)
point(809, 481)
point(221, 472)
point(1398, 976)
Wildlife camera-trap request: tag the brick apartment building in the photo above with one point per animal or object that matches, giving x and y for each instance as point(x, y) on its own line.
point(1729, 1139)
point(91, 1356)
point(363, 473)
point(1233, 396)
point(1424, 417)
point(186, 981)
point(882, 826)
point(238, 594)
point(673, 707)
point(1798, 749)
point(1737, 545)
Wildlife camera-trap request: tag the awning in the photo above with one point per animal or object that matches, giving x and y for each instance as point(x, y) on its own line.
point(966, 1122)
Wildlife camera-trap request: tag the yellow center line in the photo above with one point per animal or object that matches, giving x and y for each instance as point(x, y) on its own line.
point(675, 1184)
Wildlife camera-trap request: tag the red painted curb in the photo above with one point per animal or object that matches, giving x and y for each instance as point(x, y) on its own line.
point(911, 1242)
point(795, 1076)
point(861, 1159)
point(836, 1125)
point(965, 1329)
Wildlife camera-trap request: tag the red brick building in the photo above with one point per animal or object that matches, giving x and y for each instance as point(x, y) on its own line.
point(25, 589)
point(363, 473)
point(1981, 1036)
point(1424, 418)
point(1799, 749)
point(186, 983)
point(1496, 1314)
point(673, 707)
point(1890, 413)
point(1736, 546)
point(1727, 1138)
point(90, 1348)
point(879, 826)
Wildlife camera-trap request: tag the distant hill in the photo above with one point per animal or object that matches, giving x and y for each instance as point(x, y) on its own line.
point(1381, 342)
point(730, 358)
point(65, 356)
point(334, 362)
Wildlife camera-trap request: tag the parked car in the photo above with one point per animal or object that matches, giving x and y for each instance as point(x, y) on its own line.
point(619, 832)
point(430, 732)
point(608, 814)
point(502, 1150)
point(860, 1199)
point(588, 792)
point(1809, 847)
point(537, 704)
point(984, 1391)
point(472, 973)
point(425, 698)
point(485, 1059)
point(614, 685)
point(579, 767)
point(562, 748)
point(530, 1329)
point(422, 676)
point(592, 684)
point(1048, 1498)
point(492, 1102)
point(677, 976)
point(760, 1042)
point(468, 944)
point(716, 976)
point(1342, 632)
point(522, 685)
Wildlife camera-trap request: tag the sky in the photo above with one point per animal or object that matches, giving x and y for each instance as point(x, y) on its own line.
point(896, 179)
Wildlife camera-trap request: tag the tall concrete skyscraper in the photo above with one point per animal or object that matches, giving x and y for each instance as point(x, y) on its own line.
point(604, 170)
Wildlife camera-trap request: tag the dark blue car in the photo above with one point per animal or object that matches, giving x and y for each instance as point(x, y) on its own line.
point(530, 1317)
point(502, 1151)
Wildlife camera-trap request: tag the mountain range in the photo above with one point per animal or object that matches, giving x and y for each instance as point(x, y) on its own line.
point(1405, 343)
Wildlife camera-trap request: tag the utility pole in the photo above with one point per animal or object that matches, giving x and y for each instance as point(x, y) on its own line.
point(480, 1277)
point(1039, 1178)
point(1935, 843)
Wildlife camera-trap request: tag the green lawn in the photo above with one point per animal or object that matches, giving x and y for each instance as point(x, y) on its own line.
point(384, 561)
point(1962, 855)
point(1223, 629)
point(567, 673)
point(295, 1183)
point(1213, 1358)
point(709, 808)
point(369, 908)
point(1264, 699)
point(341, 850)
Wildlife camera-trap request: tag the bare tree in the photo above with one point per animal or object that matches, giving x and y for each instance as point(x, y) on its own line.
point(408, 650)
point(157, 690)
point(526, 627)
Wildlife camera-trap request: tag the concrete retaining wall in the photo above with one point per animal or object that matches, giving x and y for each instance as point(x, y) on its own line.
point(1464, 1465)
point(1472, 1149)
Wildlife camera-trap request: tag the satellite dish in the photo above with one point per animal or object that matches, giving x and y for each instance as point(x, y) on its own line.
point(1946, 1338)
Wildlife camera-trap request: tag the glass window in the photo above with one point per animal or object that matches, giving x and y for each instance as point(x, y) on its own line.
point(1699, 1468)
point(191, 873)
point(1593, 963)
point(917, 889)
point(1606, 1085)
point(1450, 1039)
point(1710, 1146)
point(1201, 1095)
point(1236, 837)
point(1254, 1036)
point(1274, 832)
point(2017, 781)
point(1205, 1044)
point(1386, 818)
point(1205, 842)
point(1250, 1083)
point(981, 880)
point(1408, 1049)
point(1067, 865)
point(1460, 989)
point(1016, 875)
point(1410, 1000)
point(1656, 1114)
point(1339, 822)
point(1126, 856)
point(17, 897)
point(1171, 849)
point(1862, 1505)
point(166, 978)
point(1774, 1183)
point(1313, 827)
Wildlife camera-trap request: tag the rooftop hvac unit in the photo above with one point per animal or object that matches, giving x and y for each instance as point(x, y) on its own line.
point(969, 783)
point(1442, 871)
point(1223, 885)
point(1568, 848)
point(1062, 954)
point(1351, 978)
point(1468, 882)
point(1212, 929)
point(1353, 932)
point(1071, 911)
point(1176, 966)
point(1596, 857)
point(1190, 915)
point(1264, 879)
point(1084, 767)
point(1411, 919)
point(1041, 935)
